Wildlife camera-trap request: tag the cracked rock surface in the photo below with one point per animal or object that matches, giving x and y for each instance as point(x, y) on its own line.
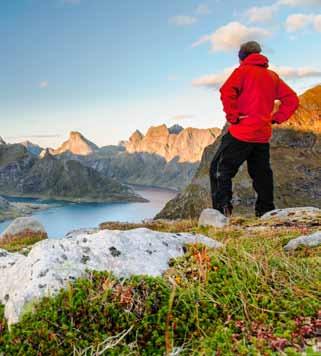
point(51, 264)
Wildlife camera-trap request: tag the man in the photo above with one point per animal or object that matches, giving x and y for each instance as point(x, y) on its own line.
point(248, 98)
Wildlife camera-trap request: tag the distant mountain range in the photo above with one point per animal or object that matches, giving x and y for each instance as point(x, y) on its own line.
point(164, 157)
point(296, 159)
point(81, 171)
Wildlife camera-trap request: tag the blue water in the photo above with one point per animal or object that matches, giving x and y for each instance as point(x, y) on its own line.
point(66, 217)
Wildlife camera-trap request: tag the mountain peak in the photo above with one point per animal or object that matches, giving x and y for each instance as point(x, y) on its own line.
point(2, 142)
point(77, 144)
point(175, 129)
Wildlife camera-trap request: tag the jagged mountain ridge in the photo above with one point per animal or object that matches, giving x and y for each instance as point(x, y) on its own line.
point(164, 157)
point(186, 144)
point(296, 160)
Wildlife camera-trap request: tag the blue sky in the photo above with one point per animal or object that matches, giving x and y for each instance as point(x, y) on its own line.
point(107, 67)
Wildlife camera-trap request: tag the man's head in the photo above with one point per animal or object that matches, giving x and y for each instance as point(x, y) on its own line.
point(249, 48)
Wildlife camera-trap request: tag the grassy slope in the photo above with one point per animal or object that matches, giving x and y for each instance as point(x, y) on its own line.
point(250, 298)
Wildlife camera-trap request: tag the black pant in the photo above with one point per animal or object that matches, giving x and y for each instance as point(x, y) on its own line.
point(230, 156)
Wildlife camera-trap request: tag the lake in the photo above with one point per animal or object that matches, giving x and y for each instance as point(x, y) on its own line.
point(68, 216)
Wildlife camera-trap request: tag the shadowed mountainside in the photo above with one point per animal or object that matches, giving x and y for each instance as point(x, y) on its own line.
point(22, 174)
point(296, 161)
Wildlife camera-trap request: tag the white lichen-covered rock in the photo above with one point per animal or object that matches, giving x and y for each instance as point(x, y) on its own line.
point(84, 231)
point(308, 241)
point(52, 264)
point(292, 213)
point(24, 226)
point(7, 261)
point(212, 217)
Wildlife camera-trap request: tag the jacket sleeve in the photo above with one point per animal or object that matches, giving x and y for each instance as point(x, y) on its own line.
point(230, 92)
point(289, 103)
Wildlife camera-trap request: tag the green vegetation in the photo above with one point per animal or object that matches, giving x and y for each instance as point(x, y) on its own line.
point(19, 244)
point(249, 298)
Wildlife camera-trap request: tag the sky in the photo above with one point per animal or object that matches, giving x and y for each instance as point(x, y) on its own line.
point(106, 68)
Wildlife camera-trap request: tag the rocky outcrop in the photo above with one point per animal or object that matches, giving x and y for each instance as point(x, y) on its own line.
point(293, 214)
point(23, 174)
point(312, 240)
point(77, 144)
point(23, 227)
point(212, 217)
point(185, 144)
point(295, 155)
point(52, 264)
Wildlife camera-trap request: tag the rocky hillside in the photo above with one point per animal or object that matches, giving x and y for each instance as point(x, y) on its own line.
point(185, 144)
point(77, 144)
point(23, 174)
point(295, 154)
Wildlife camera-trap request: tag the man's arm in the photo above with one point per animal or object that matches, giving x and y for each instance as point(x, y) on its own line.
point(230, 91)
point(289, 103)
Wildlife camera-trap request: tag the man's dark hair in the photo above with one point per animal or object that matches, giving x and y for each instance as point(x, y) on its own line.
point(249, 48)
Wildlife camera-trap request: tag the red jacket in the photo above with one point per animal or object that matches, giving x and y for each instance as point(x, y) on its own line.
point(248, 98)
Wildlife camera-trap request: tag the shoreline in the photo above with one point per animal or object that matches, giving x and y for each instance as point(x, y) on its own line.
point(22, 206)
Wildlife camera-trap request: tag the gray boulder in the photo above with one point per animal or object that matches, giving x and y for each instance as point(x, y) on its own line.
point(212, 217)
point(22, 227)
point(292, 213)
point(313, 240)
point(52, 264)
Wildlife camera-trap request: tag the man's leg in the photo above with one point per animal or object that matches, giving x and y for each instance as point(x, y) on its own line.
point(224, 167)
point(260, 171)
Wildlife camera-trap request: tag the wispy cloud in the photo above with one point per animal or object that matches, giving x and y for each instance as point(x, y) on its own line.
point(182, 20)
point(216, 80)
point(213, 80)
point(30, 137)
point(295, 3)
point(188, 20)
point(182, 117)
point(202, 10)
point(297, 22)
point(260, 14)
point(43, 84)
point(230, 36)
point(263, 14)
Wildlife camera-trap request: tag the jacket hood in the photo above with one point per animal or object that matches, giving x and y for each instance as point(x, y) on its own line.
point(257, 60)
